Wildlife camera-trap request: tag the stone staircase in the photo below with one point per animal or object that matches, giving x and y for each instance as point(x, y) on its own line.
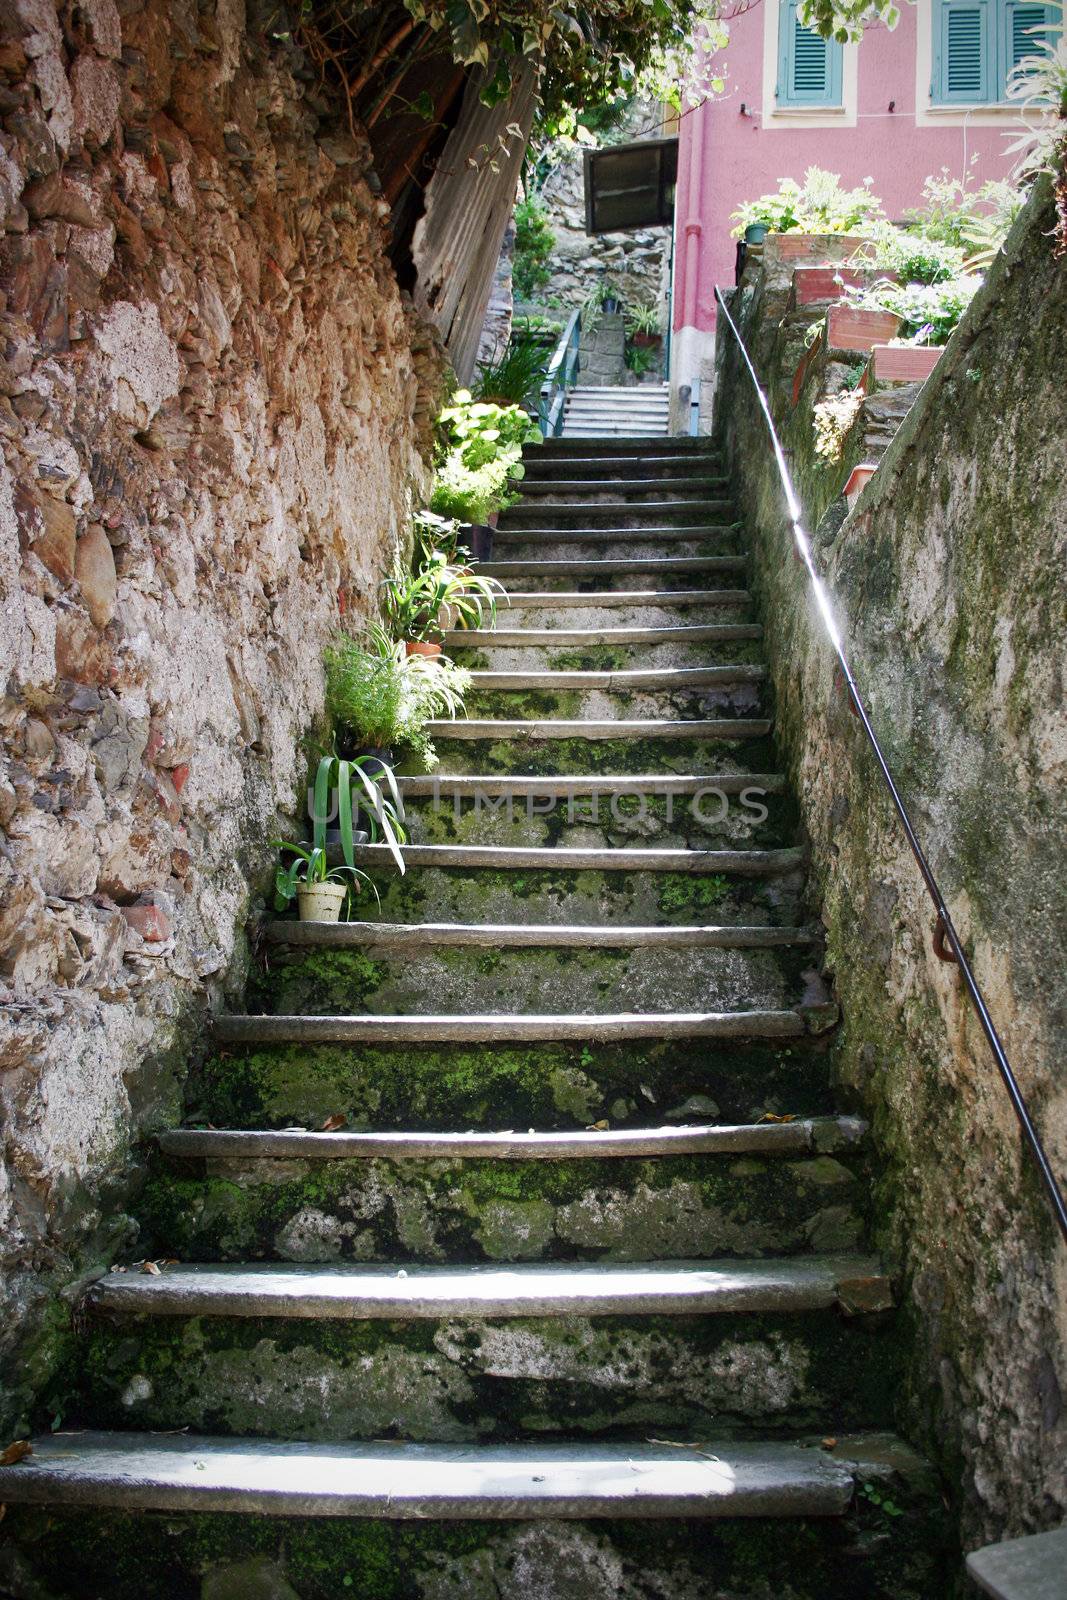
point(632, 411)
point(576, 1300)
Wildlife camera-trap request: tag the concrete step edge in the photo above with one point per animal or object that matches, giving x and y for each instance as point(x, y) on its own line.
point(523, 935)
point(704, 729)
point(582, 1029)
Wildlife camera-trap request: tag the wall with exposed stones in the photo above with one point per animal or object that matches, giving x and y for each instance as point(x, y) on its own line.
point(213, 402)
point(949, 583)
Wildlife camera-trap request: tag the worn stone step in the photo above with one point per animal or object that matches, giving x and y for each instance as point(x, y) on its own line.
point(739, 863)
point(384, 981)
point(517, 935)
point(560, 514)
point(516, 1028)
point(802, 1136)
point(610, 465)
point(578, 638)
point(853, 1284)
point(549, 600)
point(442, 1085)
point(623, 680)
point(692, 730)
point(732, 811)
point(690, 487)
point(674, 702)
point(607, 611)
point(126, 1554)
point(571, 542)
point(561, 567)
point(654, 1193)
point(599, 654)
point(563, 754)
point(396, 1482)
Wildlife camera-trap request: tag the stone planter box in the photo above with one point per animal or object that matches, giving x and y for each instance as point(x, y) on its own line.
point(858, 479)
point(813, 248)
point(904, 363)
point(820, 285)
point(850, 328)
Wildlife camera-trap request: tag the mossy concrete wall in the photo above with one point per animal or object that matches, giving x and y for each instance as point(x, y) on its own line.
point(213, 409)
point(950, 585)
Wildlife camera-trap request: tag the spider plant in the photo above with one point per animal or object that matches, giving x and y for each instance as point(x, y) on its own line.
point(384, 813)
point(412, 603)
point(310, 869)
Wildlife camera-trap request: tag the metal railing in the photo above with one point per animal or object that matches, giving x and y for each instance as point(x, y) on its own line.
point(562, 371)
point(947, 944)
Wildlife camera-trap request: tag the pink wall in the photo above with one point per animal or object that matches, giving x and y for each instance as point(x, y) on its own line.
point(726, 157)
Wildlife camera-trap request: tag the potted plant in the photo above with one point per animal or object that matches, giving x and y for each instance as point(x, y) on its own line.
point(644, 327)
point(419, 608)
point(379, 698)
point(319, 889)
point(365, 780)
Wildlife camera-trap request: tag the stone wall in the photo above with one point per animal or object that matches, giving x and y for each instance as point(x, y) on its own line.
point(212, 408)
point(949, 582)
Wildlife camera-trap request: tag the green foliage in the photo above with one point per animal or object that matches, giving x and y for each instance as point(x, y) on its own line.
point(421, 606)
point(929, 311)
point(640, 359)
point(353, 784)
point(479, 452)
point(515, 378)
point(914, 256)
point(820, 205)
point(307, 870)
point(644, 319)
point(380, 697)
point(534, 244)
point(963, 218)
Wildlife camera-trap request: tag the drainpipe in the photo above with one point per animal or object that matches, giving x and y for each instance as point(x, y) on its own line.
point(685, 363)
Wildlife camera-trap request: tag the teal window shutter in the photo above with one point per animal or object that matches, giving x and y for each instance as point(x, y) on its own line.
point(963, 53)
point(978, 42)
point(809, 67)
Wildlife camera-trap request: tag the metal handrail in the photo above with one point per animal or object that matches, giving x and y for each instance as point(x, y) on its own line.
point(561, 373)
point(945, 931)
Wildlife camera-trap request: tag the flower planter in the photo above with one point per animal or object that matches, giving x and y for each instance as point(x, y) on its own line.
point(756, 232)
point(904, 363)
point(852, 328)
point(421, 647)
point(647, 341)
point(858, 479)
point(321, 902)
point(815, 248)
point(817, 285)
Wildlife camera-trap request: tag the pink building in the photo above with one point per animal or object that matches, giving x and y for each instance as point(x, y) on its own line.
point(895, 107)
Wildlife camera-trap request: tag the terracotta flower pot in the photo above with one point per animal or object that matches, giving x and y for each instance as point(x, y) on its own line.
point(856, 328)
point(321, 902)
point(422, 647)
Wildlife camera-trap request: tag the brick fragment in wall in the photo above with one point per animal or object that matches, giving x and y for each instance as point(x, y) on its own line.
point(215, 412)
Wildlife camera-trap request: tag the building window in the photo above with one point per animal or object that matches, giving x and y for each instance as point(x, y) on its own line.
point(809, 67)
point(978, 42)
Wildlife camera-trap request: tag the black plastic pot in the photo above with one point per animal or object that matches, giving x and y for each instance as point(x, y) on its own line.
point(611, 305)
point(333, 837)
point(480, 541)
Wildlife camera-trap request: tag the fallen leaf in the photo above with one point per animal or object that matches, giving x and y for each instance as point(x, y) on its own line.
point(150, 1267)
point(17, 1451)
point(829, 1444)
point(3, 1512)
point(598, 1127)
point(769, 1116)
point(332, 1124)
point(647, 1092)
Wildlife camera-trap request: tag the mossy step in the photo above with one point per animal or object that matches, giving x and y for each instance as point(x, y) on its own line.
point(222, 1196)
point(567, 756)
point(478, 1379)
point(670, 446)
point(574, 858)
point(551, 539)
point(576, 638)
point(384, 980)
point(598, 613)
point(349, 1291)
point(607, 599)
point(622, 680)
point(710, 815)
point(513, 1027)
point(488, 1085)
point(597, 656)
point(861, 1555)
point(729, 700)
point(271, 1478)
point(608, 567)
point(561, 895)
point(652, 463)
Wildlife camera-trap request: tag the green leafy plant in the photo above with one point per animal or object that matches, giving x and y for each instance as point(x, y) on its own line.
point(308, 869)
point(929, 311)
point(381, 698)
point(640, 359)
point(819, 205)
point(832, 420)
point(534, 244)
point(479, 452)
point(515, 378)
point(644, 319)
point(420, 606)
point(352, 782)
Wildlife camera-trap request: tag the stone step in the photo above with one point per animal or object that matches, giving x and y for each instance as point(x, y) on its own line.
point(567, 514)
point(496, 858)
point(728, 701)
point(397, 1482)
point(607, 466)
point(440, 1085)
point(804, 1136)
point(576, 638)
point(582, 784)
point(597, 544)
point(497, 730)
point(674, 445)
point(664, 567)
point(516, 1028)
point(638, 603)
point(690, 487)
point(561, 754)
point(853, 1284)
point(622, 681)
point(383, 980)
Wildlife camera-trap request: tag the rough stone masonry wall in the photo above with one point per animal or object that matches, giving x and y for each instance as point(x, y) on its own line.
point(949, 578)
point(212, 404)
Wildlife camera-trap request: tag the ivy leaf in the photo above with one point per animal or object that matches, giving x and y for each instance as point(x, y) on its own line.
point(422, 106)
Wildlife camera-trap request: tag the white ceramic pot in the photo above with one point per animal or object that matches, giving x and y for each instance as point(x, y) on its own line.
point(321, 902)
